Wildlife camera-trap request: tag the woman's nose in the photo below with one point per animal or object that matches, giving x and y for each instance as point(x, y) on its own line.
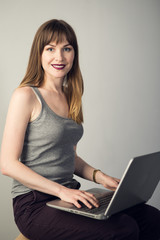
point(59, 55)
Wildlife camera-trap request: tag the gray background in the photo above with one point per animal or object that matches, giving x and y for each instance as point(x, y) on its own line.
point(120, 60)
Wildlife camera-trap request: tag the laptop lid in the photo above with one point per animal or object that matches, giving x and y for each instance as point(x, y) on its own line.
point(137, 183)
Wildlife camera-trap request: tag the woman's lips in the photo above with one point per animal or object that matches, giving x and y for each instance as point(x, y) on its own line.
point(58, 66)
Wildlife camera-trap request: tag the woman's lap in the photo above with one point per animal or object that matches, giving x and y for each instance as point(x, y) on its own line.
point(63, 225)
point(39, 222)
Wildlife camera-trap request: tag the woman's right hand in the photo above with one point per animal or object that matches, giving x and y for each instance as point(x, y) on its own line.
point(75, 196)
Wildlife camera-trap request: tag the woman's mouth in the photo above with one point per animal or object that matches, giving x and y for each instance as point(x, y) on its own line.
point(58, 66)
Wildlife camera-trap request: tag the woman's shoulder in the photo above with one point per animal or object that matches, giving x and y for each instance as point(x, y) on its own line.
point(23, 90)
point(23, 97)
point(21, 104)
point(24, 94)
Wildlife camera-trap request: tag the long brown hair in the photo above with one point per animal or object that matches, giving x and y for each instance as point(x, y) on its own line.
point(56, 30)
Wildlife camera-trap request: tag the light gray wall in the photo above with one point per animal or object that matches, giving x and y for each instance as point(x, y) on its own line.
point(120, 60)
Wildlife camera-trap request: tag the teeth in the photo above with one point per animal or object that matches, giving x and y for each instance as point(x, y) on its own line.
point(58, 66)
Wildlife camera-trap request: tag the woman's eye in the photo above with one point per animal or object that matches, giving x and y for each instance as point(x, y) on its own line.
point(50, 49)
point(67, 49)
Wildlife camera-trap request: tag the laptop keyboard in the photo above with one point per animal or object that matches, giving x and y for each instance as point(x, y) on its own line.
point(103, 203)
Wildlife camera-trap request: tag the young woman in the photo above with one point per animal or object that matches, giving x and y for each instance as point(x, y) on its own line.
point(43, 127)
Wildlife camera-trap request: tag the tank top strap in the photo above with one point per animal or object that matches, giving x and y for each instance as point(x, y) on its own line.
point(38, 94)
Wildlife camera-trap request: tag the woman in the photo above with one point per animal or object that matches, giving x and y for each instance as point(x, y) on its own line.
point(43, 127)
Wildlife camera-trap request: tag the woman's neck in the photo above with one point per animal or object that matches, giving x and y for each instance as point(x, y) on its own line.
point(53, 85)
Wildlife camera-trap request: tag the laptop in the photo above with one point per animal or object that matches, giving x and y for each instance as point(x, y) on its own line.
point(136, 186)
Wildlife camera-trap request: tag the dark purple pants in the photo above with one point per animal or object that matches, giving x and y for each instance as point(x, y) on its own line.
point(40, 222)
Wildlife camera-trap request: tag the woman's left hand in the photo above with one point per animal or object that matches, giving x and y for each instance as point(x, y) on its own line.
point(107, 181)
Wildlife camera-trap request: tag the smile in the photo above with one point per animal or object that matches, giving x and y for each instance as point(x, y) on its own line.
point(58, 66)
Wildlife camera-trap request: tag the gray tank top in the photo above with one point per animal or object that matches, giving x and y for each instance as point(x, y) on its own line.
point(49, 147)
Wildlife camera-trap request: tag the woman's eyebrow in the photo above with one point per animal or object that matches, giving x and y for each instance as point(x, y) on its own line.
point(51, 45)
point(68, 44)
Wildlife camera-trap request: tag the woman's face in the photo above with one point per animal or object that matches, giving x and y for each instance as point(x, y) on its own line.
point(57, 59)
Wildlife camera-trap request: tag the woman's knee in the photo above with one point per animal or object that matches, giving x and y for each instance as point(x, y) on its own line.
point(129, 228)
point(151, 223)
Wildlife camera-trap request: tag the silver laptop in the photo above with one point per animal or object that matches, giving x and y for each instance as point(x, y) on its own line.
point(136, 186)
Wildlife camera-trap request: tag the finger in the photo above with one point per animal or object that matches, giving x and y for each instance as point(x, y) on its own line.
point(113, 188)
point(92, 196)
point(110, 187)
point(90, 199)
point(85, 201)
point(93, 200)
point(117, 180)
point(82, 198)
point(76, 203)
point(114, 183)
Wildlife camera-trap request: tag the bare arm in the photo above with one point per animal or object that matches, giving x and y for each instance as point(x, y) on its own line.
point(19, 113)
